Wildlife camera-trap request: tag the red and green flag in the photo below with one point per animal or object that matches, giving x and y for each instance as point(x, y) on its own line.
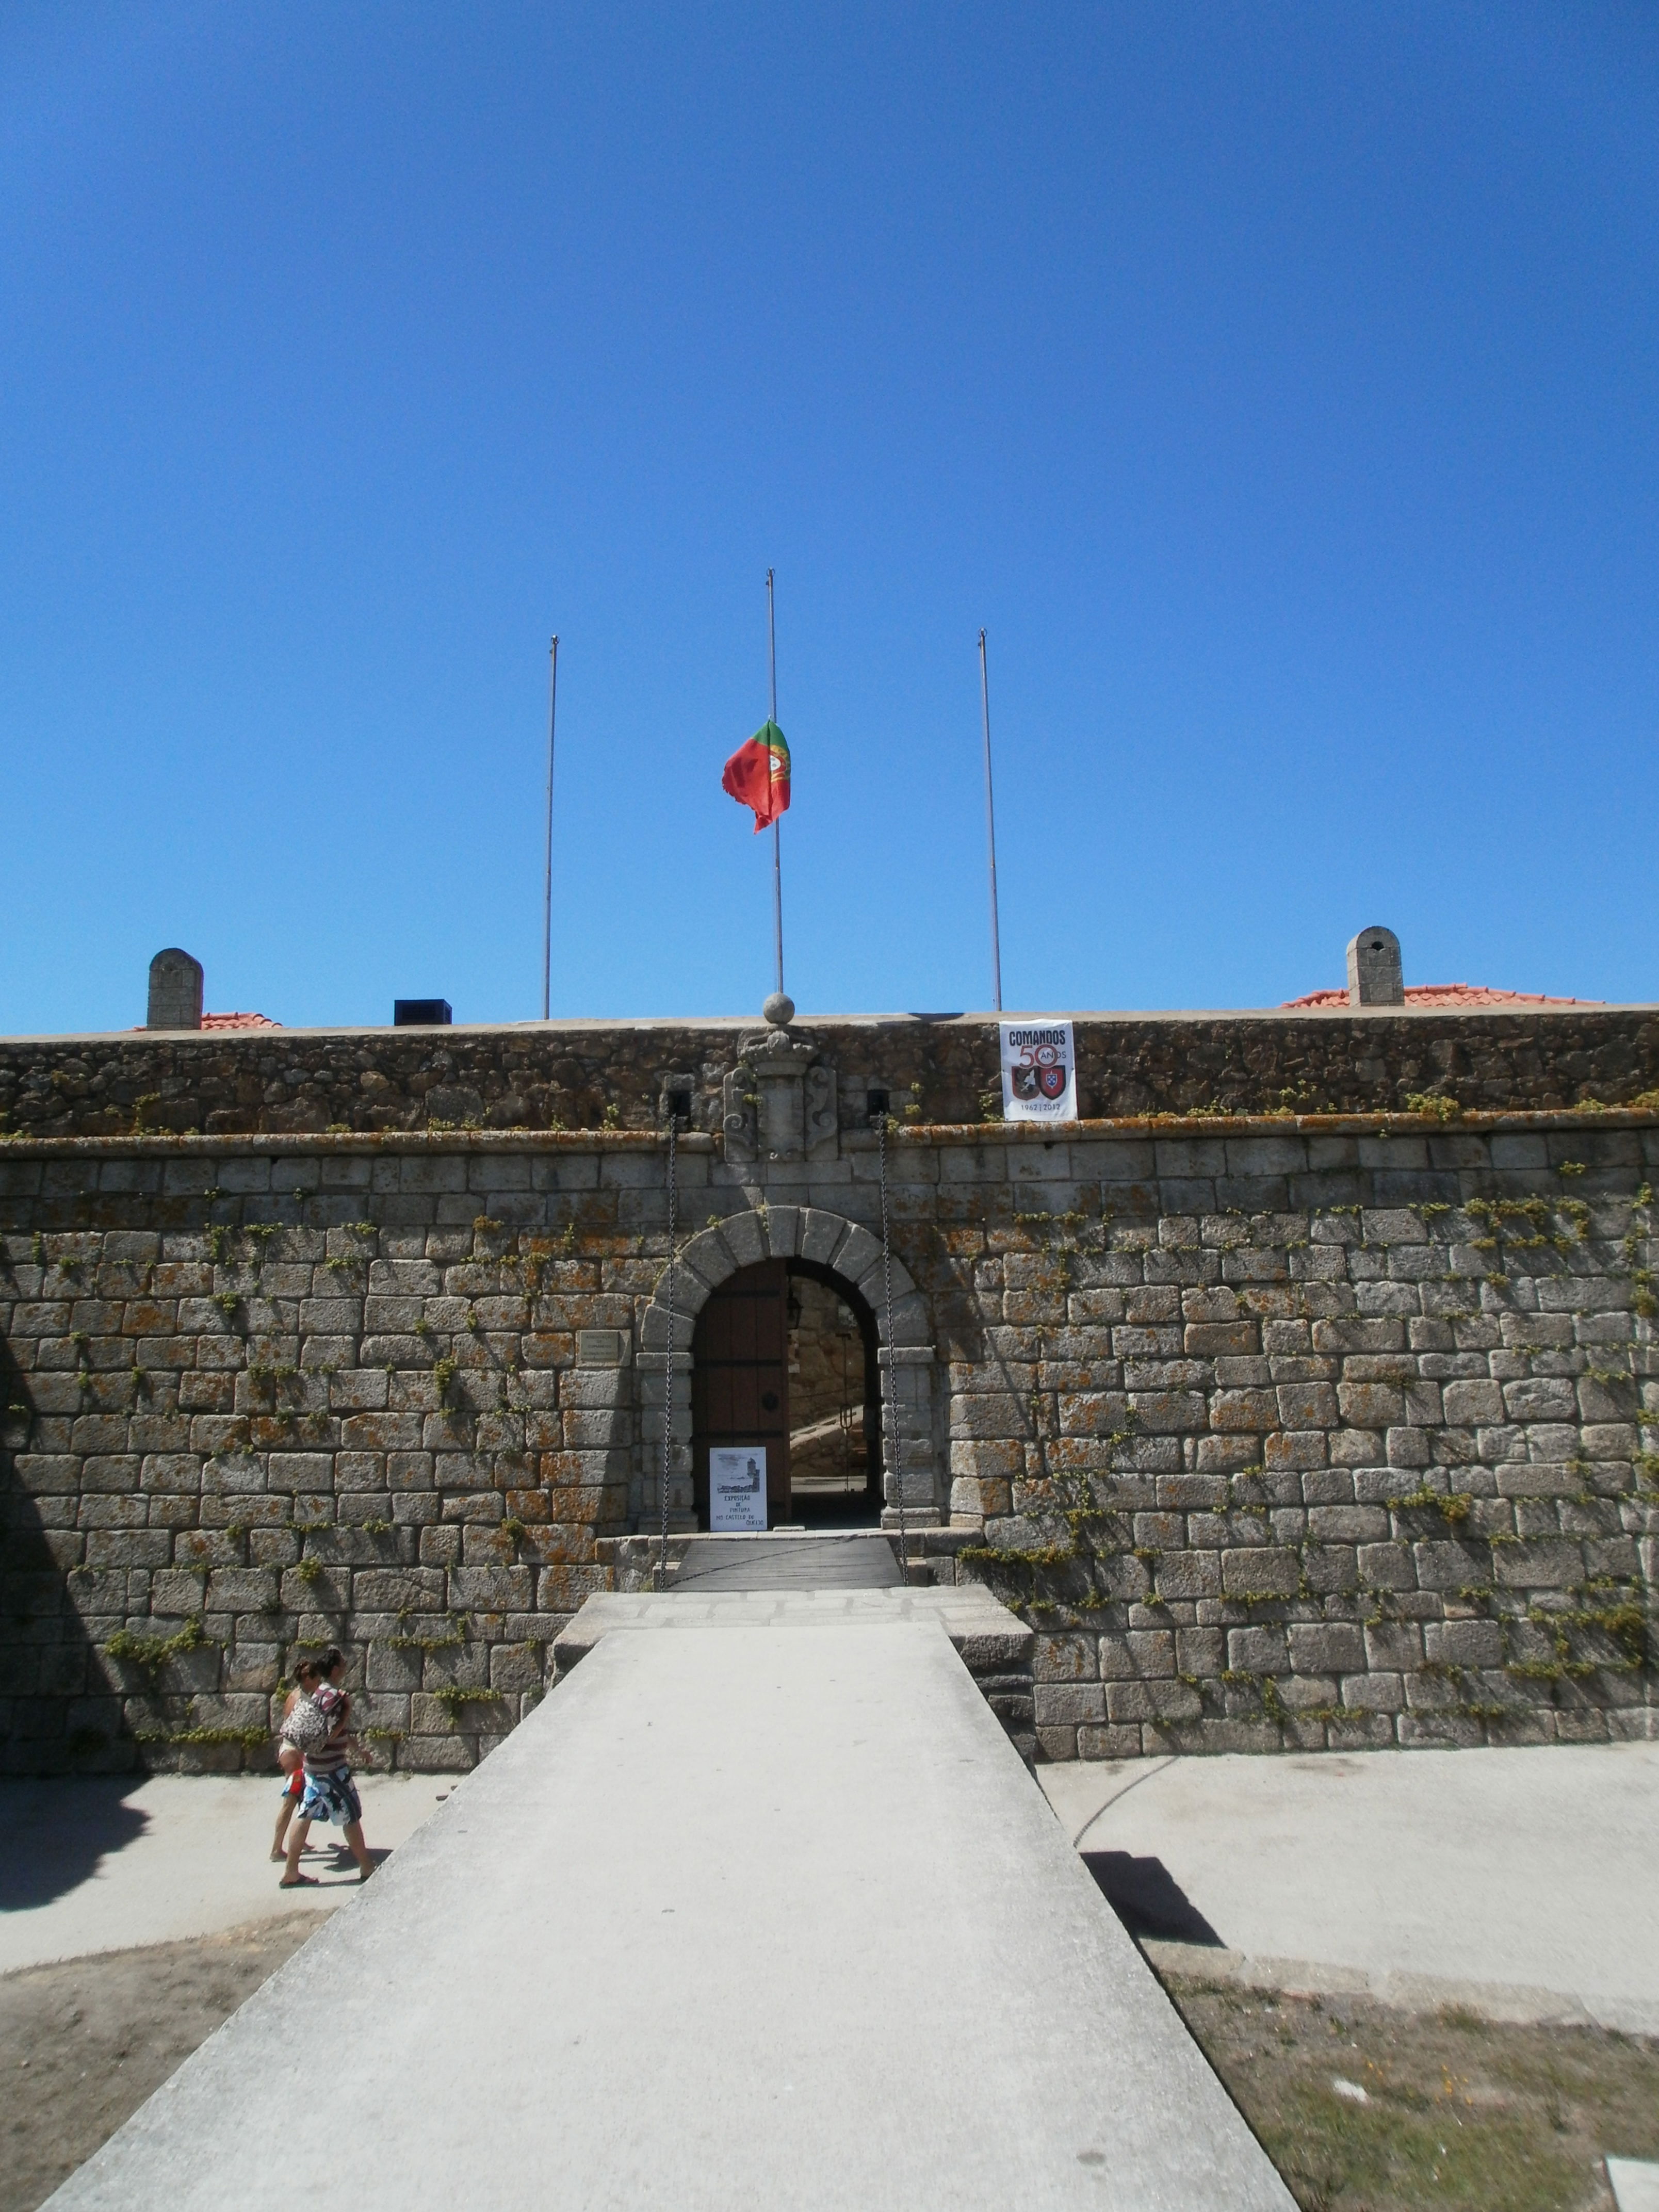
point(757, 775)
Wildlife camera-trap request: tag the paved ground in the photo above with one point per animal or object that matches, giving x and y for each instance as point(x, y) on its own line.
point(110, 1864)
point(737, 1917)
point(1520, 1881)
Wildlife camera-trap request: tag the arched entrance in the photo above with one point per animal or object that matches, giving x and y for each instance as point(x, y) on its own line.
point(850, 1254)
point(784, 1357)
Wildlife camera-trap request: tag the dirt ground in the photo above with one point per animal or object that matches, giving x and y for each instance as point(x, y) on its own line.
point(1456, 2111)
point(82, 2045)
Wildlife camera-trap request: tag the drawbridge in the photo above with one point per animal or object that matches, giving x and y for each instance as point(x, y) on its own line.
point(760, 1908)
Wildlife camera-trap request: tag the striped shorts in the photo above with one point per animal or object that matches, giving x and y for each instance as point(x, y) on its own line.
point(332, 1797)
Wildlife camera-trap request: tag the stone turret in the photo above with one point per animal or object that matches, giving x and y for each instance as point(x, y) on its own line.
point(175, 992)
point(1375, 977)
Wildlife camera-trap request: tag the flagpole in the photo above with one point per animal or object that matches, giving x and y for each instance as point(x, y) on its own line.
point(777, 849)
point(990, 829)
point(547, 903)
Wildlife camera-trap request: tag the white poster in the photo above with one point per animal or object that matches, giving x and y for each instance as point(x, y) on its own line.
point(737, 1486)
point(1039, 1072)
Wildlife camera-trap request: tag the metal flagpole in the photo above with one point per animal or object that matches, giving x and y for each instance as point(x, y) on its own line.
point(990, 830)
point(777, 852)
point(547, 909)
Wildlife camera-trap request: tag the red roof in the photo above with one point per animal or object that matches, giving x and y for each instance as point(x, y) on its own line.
point(229, 1022)
point(1450, 994)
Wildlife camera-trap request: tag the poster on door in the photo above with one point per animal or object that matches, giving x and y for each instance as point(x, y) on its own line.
point(736, 1488)
point(1039, 1072)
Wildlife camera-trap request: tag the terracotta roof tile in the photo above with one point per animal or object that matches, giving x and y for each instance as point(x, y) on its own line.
point(1448, 994)
point(226, 1022)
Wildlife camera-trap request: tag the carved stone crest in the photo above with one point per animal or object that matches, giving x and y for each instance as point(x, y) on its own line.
point(780, 1099)
point(740, 1116)
point(823, 1117)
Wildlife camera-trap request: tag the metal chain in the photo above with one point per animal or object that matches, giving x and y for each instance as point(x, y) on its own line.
point(668, 1357)
point(892, 1370)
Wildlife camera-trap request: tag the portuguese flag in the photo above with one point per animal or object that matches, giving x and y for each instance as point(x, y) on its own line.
point(757, 775)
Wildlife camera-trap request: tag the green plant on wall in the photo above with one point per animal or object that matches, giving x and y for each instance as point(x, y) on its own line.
point(450, 1632)
point(1433, 1103)
point(455, 1701)
point(152, 1655)
point(248, 1738)
point(1453, 1505)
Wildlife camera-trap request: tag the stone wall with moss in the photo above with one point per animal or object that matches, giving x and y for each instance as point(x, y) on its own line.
point(934, 1068)
point(1282, 1434)
point(1315, 1442)
point(256, 1405)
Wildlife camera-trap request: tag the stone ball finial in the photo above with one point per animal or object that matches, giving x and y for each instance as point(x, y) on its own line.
point(1375, 977)
point(778, 1010)
point(175, 991)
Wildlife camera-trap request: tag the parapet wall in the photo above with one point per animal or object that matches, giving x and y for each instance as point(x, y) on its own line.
point(1282, 1434)
point(935, 1069)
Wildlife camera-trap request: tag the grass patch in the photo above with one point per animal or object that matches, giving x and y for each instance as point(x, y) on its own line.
point(1459, 2111)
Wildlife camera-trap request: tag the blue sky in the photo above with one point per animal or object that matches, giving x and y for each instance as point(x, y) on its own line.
point(1276, 384)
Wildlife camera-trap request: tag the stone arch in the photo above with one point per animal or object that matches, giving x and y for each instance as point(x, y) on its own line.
point(848, 1249)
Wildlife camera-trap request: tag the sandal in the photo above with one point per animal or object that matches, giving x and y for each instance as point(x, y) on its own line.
point(299, 1881)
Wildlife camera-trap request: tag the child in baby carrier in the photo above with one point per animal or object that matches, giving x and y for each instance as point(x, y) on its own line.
point(290, 1758)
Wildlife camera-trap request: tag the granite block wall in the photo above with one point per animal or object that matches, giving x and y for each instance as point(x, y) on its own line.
point(258, 1405)
point(1317, 1443)
point(1280, 1436)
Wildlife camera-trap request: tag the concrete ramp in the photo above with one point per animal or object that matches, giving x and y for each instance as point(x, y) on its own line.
point(745, 1916)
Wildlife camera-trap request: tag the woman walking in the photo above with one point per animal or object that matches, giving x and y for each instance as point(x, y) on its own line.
point(330, 1792)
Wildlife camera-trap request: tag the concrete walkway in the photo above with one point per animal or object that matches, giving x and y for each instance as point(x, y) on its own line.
point(740, 1917)
point(107, 1863)
point(1518, 1881)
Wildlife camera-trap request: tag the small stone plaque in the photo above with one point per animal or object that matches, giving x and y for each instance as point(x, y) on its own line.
point(599, 1347)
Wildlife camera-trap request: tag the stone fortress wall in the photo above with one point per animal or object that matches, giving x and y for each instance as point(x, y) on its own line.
point(936, 1069)
point(1283, 1428)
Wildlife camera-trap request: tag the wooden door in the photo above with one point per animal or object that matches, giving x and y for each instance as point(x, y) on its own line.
point(740, 1379)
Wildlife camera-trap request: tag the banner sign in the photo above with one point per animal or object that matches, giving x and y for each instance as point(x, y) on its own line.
point(736, 1488)
point(1039, 1072)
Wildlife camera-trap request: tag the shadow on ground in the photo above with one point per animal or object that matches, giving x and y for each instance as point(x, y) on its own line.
point(54, 1834)
point(1147, 1899)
